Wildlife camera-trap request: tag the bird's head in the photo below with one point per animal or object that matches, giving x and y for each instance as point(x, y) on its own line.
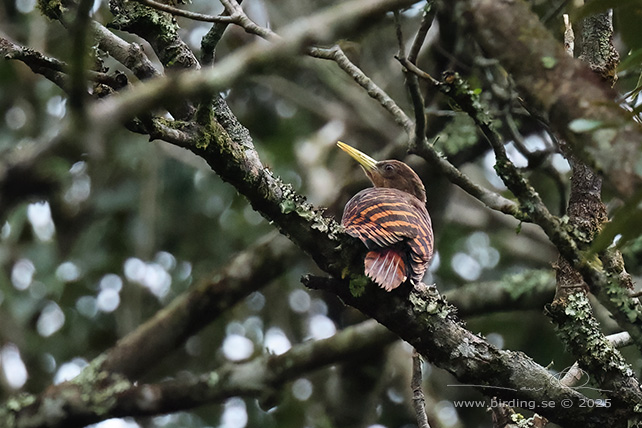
point(392, 173)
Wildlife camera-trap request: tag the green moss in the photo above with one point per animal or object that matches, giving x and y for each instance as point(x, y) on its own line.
point(468, 99)
point(287, 206)
point(292, 202)
point(212, 133)
point(581, 332)
point(430, 304)
point(19, 402)
point(158, 27)
point(99, 388)
point(620, 297)
point(130, 14)
point(103, 399)
point(358, 284)
point(527, 282)
point(52, 9)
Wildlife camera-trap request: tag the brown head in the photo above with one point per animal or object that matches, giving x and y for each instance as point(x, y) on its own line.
point(392, 173)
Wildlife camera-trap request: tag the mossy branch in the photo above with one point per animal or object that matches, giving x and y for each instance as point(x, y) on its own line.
point(609, 285)
point(98, 394)
point(560, 88)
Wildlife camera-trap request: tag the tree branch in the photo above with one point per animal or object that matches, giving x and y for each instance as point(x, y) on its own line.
point(336, 54)
point(561, 88)
point(187, 14)
point(571, 311)
point(96, 395)
point(189, 313)
point(580, 331)
point(137, 352)
point(412, 83)
point(607, 281)
point(51, 68)
point(420, 316)
point(423, 319)
point(418, 399)
point(295, 37)
point(130, 55)
point(529, 290)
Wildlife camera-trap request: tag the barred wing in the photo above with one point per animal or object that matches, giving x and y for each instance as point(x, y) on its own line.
point(383, 218)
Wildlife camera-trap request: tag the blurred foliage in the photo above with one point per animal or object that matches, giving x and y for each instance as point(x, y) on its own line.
point(135, 223)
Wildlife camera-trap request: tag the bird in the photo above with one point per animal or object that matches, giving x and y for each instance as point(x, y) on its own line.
point(392, 221)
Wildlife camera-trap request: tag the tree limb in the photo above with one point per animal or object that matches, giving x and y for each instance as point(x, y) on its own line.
point(420, 316)
point(561, 88)
point(426, 321)
point(607, 281)
point(186, 315)
point(96, 394)
point(187, 14)
point(418, 399)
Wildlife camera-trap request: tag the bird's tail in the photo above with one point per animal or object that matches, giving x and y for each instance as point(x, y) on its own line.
point(386, 267)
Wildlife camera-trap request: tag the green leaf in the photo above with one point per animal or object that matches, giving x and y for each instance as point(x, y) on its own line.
point(585, 125)
point(632, 60)
point(549, 61)
point(627, 222)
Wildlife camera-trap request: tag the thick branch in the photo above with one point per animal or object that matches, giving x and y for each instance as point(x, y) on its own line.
point(295, 38)
point(186, 315)
point(96, 394)
point(608, 281)
point(426, 321)
point(576, 325)
point(580, 331)
point(563, 89)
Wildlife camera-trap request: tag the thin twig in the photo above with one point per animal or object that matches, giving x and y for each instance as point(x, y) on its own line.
point(569, 36)
point(418, 399)
point(240, 18)
point(336, 54)
point(420, 37)
point(187, 14)
point(211, 40)
point(399, 34)
point(412, 83)
point(417, 71)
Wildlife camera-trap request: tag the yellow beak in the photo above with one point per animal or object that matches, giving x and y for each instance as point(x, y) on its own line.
point(364, 160)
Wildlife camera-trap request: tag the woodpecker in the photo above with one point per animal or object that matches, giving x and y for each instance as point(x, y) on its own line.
point(392, 221)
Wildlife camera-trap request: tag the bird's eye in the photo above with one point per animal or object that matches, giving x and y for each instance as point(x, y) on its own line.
point(389, 168)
